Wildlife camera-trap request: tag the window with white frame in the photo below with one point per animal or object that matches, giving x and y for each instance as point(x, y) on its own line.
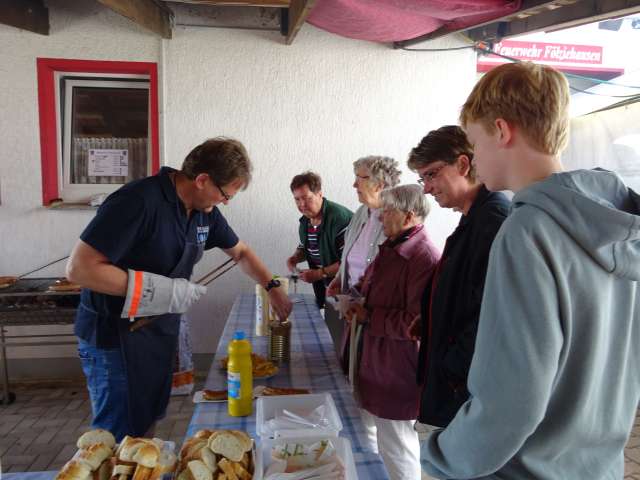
point(103, 132)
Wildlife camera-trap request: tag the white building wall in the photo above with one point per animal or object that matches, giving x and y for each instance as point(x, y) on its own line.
point(31, 235)
point(318, 104)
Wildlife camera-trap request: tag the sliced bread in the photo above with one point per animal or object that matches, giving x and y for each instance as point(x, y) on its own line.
point(227, 444)
point(93, 437)
point(197, 470)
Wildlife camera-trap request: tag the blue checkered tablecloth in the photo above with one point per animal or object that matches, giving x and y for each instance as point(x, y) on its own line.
point(313, 365)
point(49, 475)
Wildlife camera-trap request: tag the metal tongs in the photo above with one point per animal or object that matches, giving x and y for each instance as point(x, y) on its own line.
point(216, 272)
point(41, 268)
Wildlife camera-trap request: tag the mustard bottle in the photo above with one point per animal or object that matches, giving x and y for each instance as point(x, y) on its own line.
point(239, 376)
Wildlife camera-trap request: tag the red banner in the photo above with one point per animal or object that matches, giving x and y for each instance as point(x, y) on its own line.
point(548, 52)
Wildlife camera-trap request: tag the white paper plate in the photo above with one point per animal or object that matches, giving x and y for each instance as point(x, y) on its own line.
point(198, 397)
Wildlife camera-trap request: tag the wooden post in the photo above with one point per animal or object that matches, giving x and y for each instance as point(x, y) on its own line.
point(150, 14)
point(29, 15)
point(298, 12)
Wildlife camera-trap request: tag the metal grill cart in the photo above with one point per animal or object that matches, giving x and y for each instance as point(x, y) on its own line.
point(30, 302)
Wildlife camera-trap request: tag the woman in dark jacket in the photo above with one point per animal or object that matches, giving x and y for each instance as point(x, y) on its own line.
point(452, 299)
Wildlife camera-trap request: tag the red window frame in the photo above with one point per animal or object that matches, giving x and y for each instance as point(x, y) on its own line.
point(47, 67)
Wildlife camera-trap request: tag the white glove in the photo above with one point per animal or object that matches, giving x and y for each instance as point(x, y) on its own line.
point(150, 294)
point(184, 295)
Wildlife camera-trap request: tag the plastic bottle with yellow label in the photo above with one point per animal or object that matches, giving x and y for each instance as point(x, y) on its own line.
point(239, 376)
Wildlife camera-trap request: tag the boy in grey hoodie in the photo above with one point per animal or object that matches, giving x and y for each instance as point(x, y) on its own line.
point(555, 379)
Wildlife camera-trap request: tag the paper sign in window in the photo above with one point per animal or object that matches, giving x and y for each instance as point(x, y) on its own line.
point(108, 162)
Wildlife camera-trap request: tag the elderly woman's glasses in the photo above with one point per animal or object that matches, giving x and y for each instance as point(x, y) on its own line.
point(429, 176)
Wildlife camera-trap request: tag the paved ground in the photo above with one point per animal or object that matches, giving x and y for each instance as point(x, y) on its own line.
point(39, 431)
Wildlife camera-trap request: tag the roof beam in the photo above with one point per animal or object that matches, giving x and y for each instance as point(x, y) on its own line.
point(238, 3)
point(29, 15)
point(567, 16)
point(298, 12)
point(149, 14)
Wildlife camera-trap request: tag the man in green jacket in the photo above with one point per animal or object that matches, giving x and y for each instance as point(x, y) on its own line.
point(322, 228)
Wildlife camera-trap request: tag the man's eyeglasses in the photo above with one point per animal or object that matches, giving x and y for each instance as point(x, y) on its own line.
point(429, 176)
point(222, 192)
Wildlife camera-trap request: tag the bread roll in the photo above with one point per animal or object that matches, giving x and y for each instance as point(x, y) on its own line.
point(130, 448)
point(93, 437)
point(74, 470)
point(123, 442)
point(95, 455)
point(147, 455)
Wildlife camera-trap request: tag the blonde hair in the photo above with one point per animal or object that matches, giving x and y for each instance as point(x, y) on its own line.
point(534, 98)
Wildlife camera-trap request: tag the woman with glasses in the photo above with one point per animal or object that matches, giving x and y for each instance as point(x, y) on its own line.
point(451, 302)
point(363, 236)
point(392, 288)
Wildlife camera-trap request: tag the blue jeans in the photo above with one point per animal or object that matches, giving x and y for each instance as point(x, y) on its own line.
point(107, 385)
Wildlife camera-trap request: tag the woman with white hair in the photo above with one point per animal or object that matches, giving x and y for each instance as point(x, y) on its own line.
point(363, 237)
point(392, 287)
point(364, 233)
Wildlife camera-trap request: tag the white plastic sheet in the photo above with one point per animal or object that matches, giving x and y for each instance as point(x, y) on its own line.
point(609, 139)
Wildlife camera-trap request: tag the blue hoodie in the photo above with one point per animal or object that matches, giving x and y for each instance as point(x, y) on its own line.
point(555, 379)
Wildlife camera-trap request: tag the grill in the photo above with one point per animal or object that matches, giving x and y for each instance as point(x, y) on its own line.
point(29, 302)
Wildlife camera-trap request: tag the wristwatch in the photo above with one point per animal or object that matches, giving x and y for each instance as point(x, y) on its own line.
point(325, 275)
point(274, 282)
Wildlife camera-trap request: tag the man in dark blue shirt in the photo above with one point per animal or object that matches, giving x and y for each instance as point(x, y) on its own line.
point(134, 260)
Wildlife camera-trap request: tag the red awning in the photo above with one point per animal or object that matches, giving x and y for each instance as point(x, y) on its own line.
point(397, 20)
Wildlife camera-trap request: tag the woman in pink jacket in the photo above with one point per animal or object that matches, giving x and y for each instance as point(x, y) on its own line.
point(392, 287)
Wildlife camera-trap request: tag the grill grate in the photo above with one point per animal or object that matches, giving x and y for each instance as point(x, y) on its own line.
point(28, 302)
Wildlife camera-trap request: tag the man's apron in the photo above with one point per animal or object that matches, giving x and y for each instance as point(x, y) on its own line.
point(149, 351)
